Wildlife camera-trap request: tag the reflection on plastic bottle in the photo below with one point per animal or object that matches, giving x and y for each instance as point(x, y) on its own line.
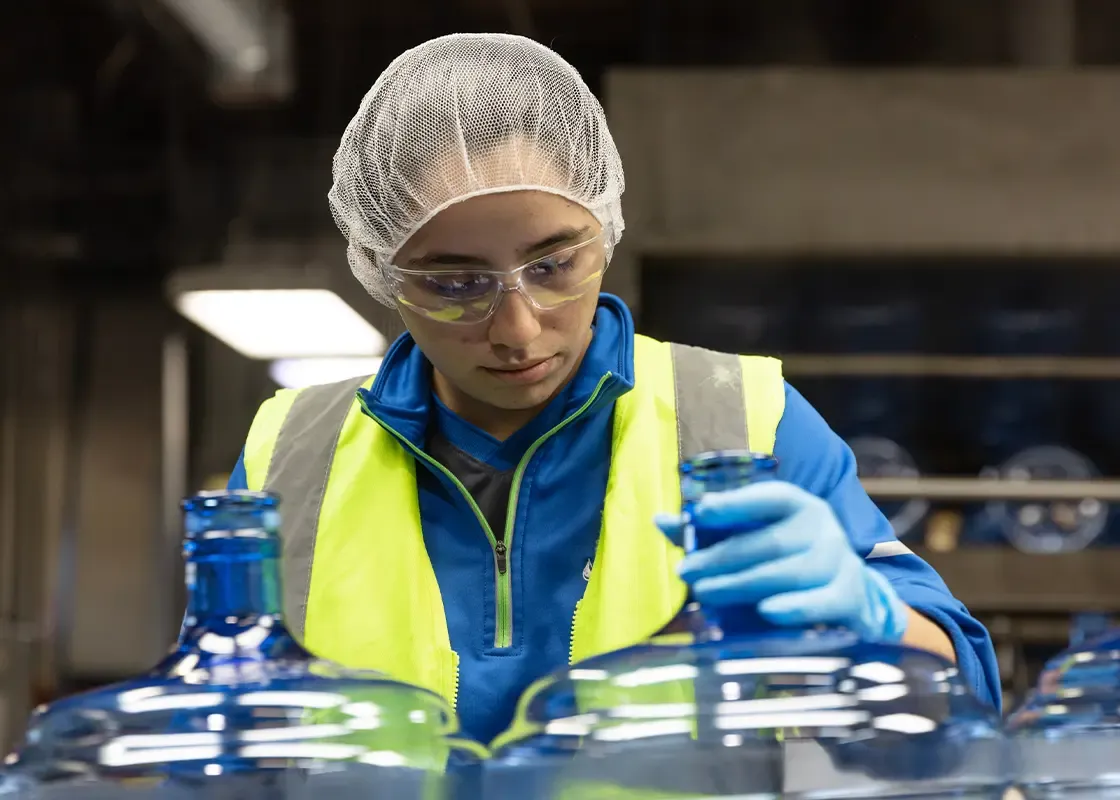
point(239, 708)
point(1047, 526)
point(1087, 627)
point(795, 712)
point(1064, 736)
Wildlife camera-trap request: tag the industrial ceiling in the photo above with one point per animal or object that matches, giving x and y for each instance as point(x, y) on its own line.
point(142, 128)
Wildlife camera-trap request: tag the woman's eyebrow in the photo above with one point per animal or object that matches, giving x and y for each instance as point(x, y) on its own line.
point(563, 236)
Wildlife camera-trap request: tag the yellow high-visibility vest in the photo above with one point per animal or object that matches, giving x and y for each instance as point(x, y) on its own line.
point(359, 588)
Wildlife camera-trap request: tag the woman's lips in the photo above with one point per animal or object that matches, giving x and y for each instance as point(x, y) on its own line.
point(529, 374)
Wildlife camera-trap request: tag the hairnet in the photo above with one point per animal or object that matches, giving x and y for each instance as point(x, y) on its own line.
point(460, 116)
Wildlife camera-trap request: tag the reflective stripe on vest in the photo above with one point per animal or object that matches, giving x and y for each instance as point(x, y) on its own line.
point(359, 587)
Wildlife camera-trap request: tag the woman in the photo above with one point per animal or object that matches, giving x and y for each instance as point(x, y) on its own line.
point(482, 511)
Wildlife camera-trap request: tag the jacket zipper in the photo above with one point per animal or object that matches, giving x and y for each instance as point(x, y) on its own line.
point(503, 635)
point(503, 579)
point(499, 548)
point(572, 633)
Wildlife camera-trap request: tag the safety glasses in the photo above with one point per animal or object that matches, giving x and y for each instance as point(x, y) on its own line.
point(468, 296)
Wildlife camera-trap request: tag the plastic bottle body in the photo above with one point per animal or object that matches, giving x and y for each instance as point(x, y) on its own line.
point(742, 709)
point(1050, 527)
point(1066, 734)
point(239, 707)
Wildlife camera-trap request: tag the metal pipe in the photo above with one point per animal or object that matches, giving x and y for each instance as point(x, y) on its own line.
point(65, 599)
point(13, 678)
point(9, 464)
point(979, 490)
point(175, 481)
point(941, 366)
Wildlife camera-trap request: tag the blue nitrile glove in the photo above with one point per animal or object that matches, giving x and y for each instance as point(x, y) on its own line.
point(799, 567)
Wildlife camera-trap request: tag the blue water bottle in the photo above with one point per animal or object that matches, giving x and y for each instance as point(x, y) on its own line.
point(239, 708)
point(1064, 736)
point(712, 473)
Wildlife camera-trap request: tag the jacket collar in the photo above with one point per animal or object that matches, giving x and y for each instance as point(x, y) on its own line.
point(401, 395)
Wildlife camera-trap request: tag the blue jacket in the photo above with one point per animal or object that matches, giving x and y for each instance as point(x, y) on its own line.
point(558, 519)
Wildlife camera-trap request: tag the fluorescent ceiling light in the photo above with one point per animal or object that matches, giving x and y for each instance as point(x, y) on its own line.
point(269, 311)
point(282, 323)
point(227, 29)
point(297, 373)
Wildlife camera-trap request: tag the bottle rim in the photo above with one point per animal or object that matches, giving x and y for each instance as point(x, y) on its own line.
point(712, 461)
point(209, 500)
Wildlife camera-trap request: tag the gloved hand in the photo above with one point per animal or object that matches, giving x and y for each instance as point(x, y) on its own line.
point(799, 567)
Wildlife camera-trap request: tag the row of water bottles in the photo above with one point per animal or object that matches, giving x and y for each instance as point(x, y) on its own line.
point(1018, 429)
point(1042, 428)
point(240, 710)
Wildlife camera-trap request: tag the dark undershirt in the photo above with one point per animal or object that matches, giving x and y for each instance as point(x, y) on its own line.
point(490, 487)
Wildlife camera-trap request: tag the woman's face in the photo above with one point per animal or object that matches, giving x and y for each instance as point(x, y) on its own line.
point(521, 356)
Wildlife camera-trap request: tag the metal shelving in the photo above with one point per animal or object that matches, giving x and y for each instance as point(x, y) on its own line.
point(1003, 580)
point(867, 365)
point(979, 490)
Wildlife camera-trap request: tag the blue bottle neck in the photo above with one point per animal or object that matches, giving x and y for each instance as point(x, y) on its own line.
point(236, 575)
point(711, 474)
point(232, 549)
point(715, 473)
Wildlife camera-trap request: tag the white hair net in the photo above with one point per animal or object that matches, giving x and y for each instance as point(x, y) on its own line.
point(465, 115)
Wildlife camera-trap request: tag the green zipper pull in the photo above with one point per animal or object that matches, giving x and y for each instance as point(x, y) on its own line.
point(500, 552)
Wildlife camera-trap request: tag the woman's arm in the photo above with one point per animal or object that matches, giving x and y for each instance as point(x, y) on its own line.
point(812, 456)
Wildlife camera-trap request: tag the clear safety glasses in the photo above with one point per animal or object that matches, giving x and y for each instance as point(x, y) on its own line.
point(467, 296)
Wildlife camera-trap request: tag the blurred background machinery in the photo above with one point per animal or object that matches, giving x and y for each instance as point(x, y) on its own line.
point(912, 203)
